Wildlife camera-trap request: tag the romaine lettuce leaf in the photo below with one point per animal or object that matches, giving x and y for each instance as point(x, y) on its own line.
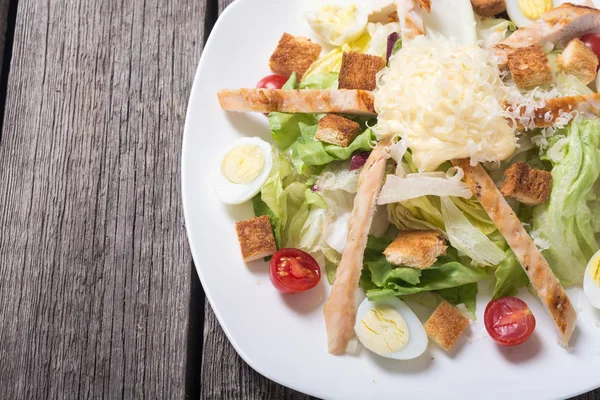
point(320, 80)
point(310, 152)
point(468, 239)
point(510, 276)
point(565, 220)
point(465, 294)
point(380, 279)
point(287, 199)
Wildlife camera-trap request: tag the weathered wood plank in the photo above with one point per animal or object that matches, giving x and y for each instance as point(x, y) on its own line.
point(226, 375)
point(93, 256)
point(223, 4)
point(3, 24)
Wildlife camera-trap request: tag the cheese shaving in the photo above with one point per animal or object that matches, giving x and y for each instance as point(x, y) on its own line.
point(446, 101)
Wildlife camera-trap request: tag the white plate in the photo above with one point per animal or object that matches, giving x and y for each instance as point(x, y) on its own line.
point(283, 337)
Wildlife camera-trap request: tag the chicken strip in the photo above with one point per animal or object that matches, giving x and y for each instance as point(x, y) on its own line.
point(555, 108)
point(357, 102)
point(340, 309)
point(557, 26)
point(548, 289)
point(411, 19)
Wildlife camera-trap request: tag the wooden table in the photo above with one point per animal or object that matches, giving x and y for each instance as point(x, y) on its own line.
point(98, 294)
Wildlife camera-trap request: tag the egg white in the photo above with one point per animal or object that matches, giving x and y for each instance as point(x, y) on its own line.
point(417, 342)
point(517, 16)
point(231, 193)
point(452, 19)
point(326, 32)
point(590, 288)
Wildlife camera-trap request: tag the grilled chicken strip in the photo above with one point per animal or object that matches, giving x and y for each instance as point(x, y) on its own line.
point(340, 309)
point(548, 289)
point(546, 116)
point(411, 19)
point(557, 26)
point(357, 102)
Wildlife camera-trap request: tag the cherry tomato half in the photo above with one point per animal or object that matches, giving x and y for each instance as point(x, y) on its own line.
point(272, 82)
point(509, 321)
point(294, 271)
point(592, 40)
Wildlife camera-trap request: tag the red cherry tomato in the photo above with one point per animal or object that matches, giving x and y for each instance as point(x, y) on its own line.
point(294, 271)
point(272, 82)
point(509, 321)
point(592, 40)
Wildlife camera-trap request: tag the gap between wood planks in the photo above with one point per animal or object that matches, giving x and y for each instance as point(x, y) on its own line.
point(8, 17)
point(198, 298)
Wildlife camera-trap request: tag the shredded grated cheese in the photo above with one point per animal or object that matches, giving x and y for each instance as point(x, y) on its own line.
point(446, 101)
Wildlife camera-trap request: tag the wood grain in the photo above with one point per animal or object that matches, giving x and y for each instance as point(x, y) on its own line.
point(94, 262)
point(223, 4)
point(225, 375)
point(3, 25)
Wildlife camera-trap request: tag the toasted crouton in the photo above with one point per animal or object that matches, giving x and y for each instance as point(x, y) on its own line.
point(359, 71)
point(445, 325)
point(337, 130)
point(256, 238)
point(528, 185)
point(579, 60)
point(417, 249)
point(294, 54)
point(385, 14)
point(529, 66)
point(488, 8)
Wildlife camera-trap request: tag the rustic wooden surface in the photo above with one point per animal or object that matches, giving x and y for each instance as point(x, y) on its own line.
point(98, 296)
point(94, 262)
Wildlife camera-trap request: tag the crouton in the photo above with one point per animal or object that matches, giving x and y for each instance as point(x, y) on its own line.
point(488, 8)
point(337, 130)
point(579, 60)
point(416, 249)
point(528, 185)
point(424, 4)
point(294, 54)
point(256, 238)
point(529, 66)
point(385, 14)
point(359, 71)
point(445, 325)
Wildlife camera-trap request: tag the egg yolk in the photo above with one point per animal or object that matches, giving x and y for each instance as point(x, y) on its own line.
point(533, 9)
point(595, 273)
point(243, 164)
point(383, 330)
point(340, 18)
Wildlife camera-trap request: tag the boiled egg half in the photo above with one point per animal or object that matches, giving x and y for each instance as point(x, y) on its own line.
point(243, 169)
point(390, 329)
point(524, 12)
point(591, 280)
point(338, 24)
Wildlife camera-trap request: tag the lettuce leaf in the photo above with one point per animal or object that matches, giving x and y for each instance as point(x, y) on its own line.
point(287, 199)
point(466, 238)
point(465, 294)
point(380, 279)
point(565, 220)
point(510, 276)
point(320, 80)
point(310, 152)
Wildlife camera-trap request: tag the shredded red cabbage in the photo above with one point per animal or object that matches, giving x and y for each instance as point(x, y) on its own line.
point(391, 42)
point(358, 160)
